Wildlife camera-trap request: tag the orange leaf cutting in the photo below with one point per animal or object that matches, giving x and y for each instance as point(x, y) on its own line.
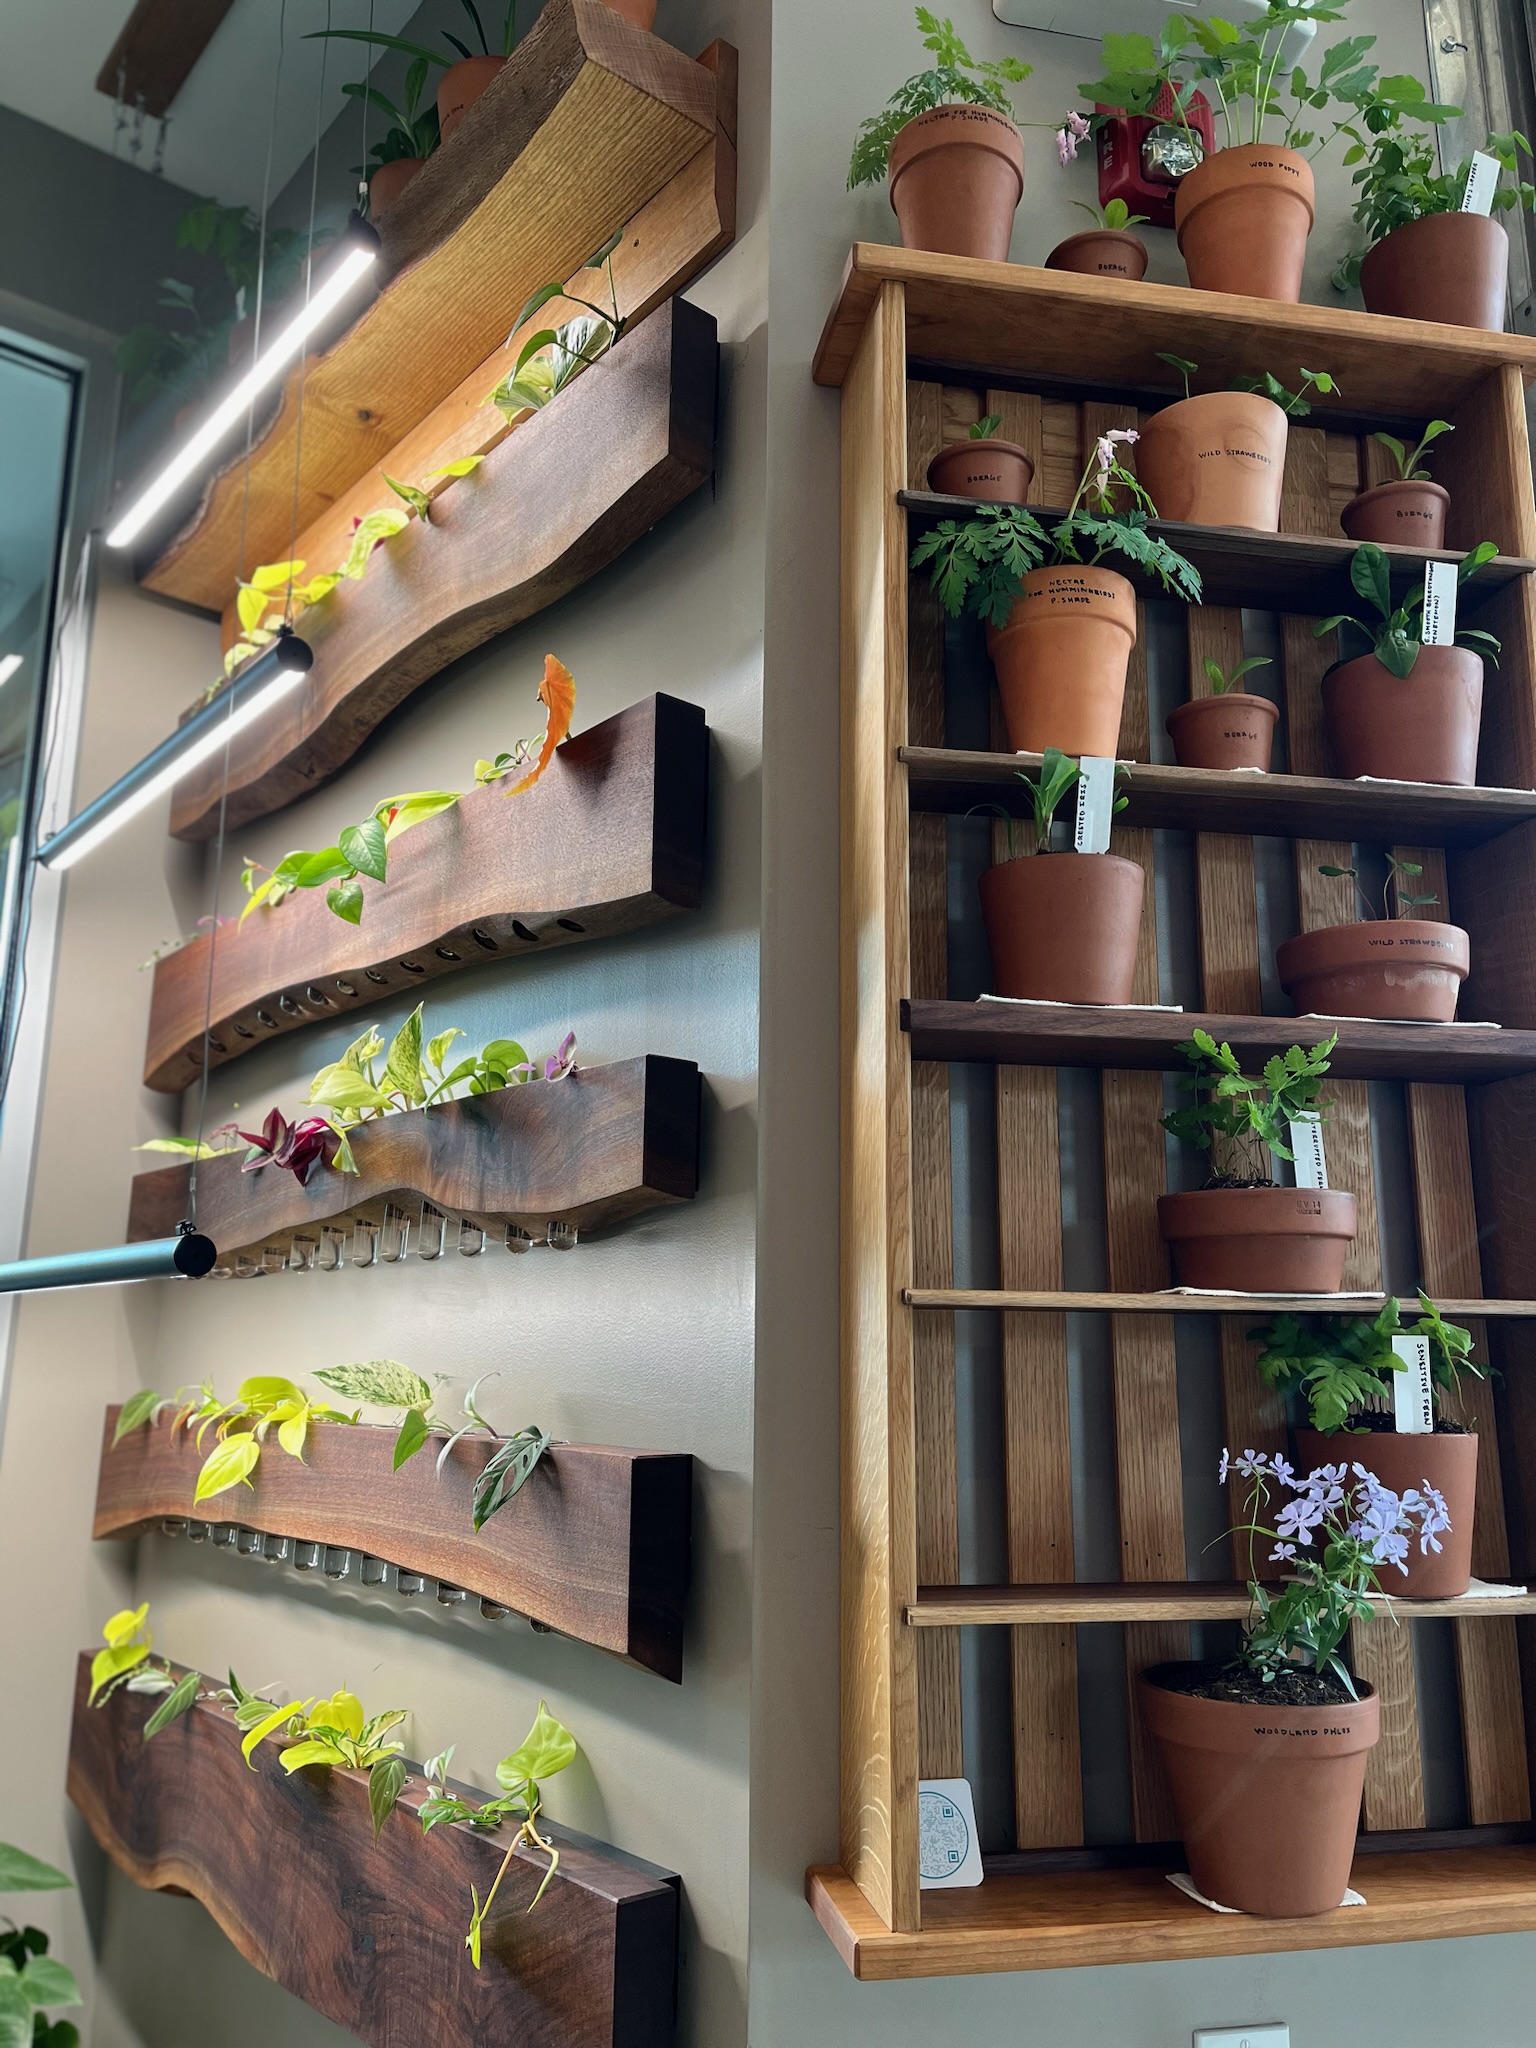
point(557, 693)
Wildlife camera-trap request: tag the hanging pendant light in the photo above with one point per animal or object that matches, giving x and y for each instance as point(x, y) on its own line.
point(187, 1256)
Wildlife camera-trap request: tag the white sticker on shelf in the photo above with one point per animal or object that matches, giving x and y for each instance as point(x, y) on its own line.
point(948, 1848)
point(1482, 183)
point(1307, 1146)
point(1413, 1394)
point(1095, 804)
point(1439, 629)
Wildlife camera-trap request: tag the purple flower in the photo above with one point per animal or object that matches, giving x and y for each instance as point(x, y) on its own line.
point(1299, 1517)
point(1066, 146)
point(1283, 1550)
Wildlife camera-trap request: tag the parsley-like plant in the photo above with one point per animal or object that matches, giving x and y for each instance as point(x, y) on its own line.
point(956, 77)
point(1240, 1121)
point(1343, 1365)
point(1395, 640)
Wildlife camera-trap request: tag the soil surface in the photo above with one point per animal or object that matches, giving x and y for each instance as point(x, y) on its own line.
point(1292, 1687)
point(1375, 1422)
point(1229, 1180)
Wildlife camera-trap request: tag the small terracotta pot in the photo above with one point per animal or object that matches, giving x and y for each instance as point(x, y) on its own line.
point(1234, 730)
point(1243, 216)
point(996, 472)
point(956, 176)
point(1259, 1240)
point(1063, 927)
point(1216, 460)
point(1399, 515)
point(1421, 727)
point(462, 84)
point(1061, 660)
point(1402, 967)
point(1449, 1463)
point(1268, 1798)
point(641, 12)
point(1450, 267)
point(390, 180)
point(1101, 252)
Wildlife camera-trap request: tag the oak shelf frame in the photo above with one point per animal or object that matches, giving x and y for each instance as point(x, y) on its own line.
point(610, 840)
point(379, 1947)
point(1062, 1301)
point(1146, 1600)
point(590, 121)
point(593, 1149)
point(595, 1544)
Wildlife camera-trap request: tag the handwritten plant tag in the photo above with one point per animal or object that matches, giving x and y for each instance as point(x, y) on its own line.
point(1413, 1397)
point(1095, 804)
point(948, 1847)
point(1482, 183)
point(1439, 628)
point(1307, 1145)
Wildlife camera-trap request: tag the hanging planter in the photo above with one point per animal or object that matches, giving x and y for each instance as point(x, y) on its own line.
point(1228, 729)
point(1392, 967)
point(1410, 510)
point(1219, 459)
point(993, 472)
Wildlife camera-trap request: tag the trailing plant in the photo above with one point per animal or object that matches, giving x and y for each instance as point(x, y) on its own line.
point(128, 1662)
point(240, 1426)
point(552, 356)
point(1343, 1365)
point(1294, 404)
point(31, 1978)
point(1392, 889)
point(1395, 641)
point(332, 1732)
point(956, 78)
point(1411, 466)
point(547, 1749)
point(1223, 680)
point(1058, 775)
point(1239, 1120)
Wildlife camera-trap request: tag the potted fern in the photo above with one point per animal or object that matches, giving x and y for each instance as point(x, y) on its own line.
point(1393, 966)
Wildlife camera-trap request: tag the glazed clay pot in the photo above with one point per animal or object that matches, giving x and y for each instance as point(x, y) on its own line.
point(389, 181)
point(462, 84)
point(1404, 967)
point(996, 472)
point(1243, 216)
point(1399, 515)
point(1259, 1240)
point(1268, 1798)
point(1449, 1463)
point(956, 176)
point(1216, 460)
point(1061, 660)
point(1101, 252)
point(1234, 730)
point(1421, 727)
point(1063, 927)
point(1450, 267)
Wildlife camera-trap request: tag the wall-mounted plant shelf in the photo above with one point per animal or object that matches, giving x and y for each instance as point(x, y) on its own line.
point(378, 1946)
point(610, 840)
point(592, 125)
point(1166, 1301)
point(602, 1145)
point(1182, 1600)
point(595, 1543)
point(562, 497)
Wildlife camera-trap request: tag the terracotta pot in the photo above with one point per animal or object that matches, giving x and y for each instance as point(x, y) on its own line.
point(1450, 267)
point(1101, 252)
point(461, 85)
point(956, 176)
point(1063, 927)
point(1234, 730)
point(1403, 967)
point(641, 12)
point(1061, 660)
point(1449, 1463)
point(1243, 216)
point(1421, 727)
point(1399, 515)
point(1259, 1240)
point(996, 472)
point(1216, 460)
point(389, 181)
point(1268, 1798)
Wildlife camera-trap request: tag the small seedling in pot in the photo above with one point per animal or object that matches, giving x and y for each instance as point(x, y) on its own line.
point(984, 429)
point(1392, 890)
point(1222, 681)
point(1115, 218)
point(1410, 464)
point(1396, 640)
point(1058, 775)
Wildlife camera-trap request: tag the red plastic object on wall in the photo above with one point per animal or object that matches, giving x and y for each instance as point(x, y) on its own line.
point(1143, 156)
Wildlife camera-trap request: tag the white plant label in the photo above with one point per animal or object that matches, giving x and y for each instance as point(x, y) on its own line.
point(1413, 1397)
point(1439, 628)
point(948, 1847)
point(1307, 1145)
point(1482, 182)
point(1095, 804)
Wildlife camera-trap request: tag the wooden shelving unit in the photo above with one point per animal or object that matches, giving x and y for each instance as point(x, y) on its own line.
point(921, 346)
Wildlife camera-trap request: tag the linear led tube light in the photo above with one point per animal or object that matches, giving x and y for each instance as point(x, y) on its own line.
point(357, 254)
point(9, 663)
point(253, 693)
point(187, 1256)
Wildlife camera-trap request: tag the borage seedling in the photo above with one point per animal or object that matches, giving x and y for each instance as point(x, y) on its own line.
point(1411, 465)
point(1238, 1120)
point(1343, 1365)
point(1222, 680)
point(30, 1978)
point(1396, 641)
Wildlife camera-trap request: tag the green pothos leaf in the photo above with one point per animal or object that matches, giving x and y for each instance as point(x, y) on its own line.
point(386, 1781)
point(133, 1415)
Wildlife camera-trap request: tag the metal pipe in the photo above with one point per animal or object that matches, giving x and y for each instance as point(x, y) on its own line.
point(187, 1256)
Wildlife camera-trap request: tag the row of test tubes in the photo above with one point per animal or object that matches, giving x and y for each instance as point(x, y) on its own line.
point(369, 1243)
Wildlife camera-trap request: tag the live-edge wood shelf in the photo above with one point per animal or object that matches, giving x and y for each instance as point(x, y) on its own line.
point(377, 1943)
point(610, 840)
point(595, 1543)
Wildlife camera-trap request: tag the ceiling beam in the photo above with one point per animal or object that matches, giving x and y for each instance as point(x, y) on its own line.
point(157, 50)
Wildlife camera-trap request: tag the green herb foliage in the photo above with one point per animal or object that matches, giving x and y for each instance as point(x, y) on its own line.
point(1114, 218)
point(30, 1978)
point(1057, 776)
point(1411, 466)
point(983, 429)
point(956, 77)
point(1395, 640)
point(1222, 680)
point(1343, 1365)
point(1393, 891)
point(1239, 1121)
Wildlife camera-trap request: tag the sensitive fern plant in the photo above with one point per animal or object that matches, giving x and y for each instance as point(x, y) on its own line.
point(1240, 1121)
point(956, 78)
point(1343, 1365)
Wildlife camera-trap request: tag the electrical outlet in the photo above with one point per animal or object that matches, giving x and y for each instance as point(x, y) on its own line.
point(1269, 2034)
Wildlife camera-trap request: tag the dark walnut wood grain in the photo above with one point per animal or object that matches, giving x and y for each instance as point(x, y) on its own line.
point(602, 1145)
point(611, 840)
point(157, 50)
point(554, 503)
point(372, 1933)
point(595, 1543)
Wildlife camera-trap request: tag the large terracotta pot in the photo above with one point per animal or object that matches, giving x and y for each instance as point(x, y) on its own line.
point(1216, 460)
point(1450, 267)
point(1267, 1797)
point(1061, 660)
point(1243, 216)
point(1399, 515)
point(389, 181)
point(1449, 1463)
point(1101, 252)
point(1405, 967)
point(996, 472)
point(1421, 727)
point(1063, 927)
point(461, 85)
point(1234, 730)
point(956, 176)
point(1259, 1240)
